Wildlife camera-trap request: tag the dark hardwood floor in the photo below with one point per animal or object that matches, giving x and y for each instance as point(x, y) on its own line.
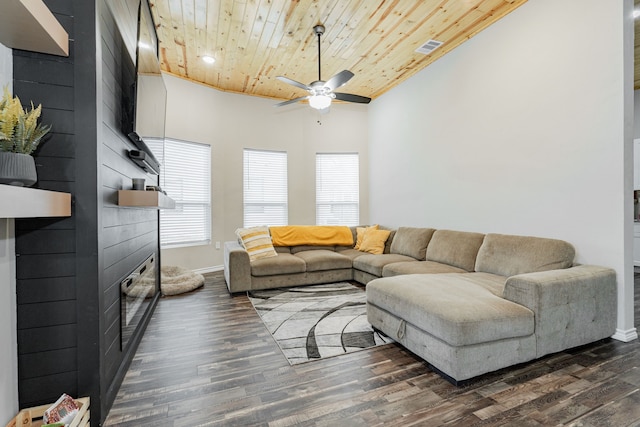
point(207, 359)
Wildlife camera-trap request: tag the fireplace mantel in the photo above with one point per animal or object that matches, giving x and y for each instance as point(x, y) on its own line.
point(24, 202)
point(30, 25)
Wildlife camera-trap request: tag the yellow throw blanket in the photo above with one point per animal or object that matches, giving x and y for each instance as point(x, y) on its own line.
point(312, 235)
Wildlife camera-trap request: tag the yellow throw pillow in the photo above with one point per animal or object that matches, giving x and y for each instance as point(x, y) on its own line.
point(374, 240)
point(360, 232)
point(257, 242)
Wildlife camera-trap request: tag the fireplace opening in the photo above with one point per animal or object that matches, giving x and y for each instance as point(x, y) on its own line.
point(136, 293)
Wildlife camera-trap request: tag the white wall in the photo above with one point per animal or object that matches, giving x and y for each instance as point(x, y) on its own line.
point(523, 129)
point(231, 122)
point(636, 114)
point(8, 334)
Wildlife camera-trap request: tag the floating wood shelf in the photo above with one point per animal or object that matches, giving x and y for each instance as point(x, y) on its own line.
point(145, 199)
point(24, 202)
point(30, 25)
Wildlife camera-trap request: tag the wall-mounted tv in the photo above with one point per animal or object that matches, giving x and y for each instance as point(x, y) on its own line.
point(144, 96)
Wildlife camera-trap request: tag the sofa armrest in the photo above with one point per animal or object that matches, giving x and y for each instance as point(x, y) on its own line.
point(572, 307)
point(237, 268)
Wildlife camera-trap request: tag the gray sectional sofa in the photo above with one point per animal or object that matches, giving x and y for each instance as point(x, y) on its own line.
point(467, 303)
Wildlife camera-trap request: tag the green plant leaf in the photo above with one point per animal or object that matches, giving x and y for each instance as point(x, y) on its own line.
point(20, 131)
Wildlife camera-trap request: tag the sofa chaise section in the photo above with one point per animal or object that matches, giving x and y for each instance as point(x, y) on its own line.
point(524, 300)
point(461, 329)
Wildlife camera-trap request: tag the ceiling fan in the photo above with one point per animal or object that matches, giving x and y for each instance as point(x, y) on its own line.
point(321, 93)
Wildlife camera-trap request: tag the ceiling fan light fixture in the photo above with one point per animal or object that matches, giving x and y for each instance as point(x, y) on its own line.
point(320, 102)
point(320, 92)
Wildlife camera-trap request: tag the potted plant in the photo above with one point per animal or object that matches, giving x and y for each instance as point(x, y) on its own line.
point(20, 135)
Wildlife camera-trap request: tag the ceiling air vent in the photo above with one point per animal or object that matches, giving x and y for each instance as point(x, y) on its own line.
point(429, 46)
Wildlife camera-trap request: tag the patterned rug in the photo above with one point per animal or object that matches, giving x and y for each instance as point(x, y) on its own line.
point(314, 322)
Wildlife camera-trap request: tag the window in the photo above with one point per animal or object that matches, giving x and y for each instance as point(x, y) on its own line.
point(265, 188)
point(337, 189)
point(186, 177)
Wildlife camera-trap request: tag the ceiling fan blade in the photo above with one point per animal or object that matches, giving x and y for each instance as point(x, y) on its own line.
point(352, 98)
point(291, 101)
point(293, 82)
point(338, 80)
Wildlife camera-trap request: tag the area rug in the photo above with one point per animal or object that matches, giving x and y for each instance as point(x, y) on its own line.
point(318, 321)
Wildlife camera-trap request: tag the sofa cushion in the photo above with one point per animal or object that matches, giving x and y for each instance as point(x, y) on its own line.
point(360, 232)
point(457, 248)
point(354, 235)
point(302, 248)
point(321, 260)
point(508, 255)
point(373, 264)
point(451, 307)
point(257, 242)
point(491, 282)
point(349, 252)
point(374, 241)
point(280, 264)
point(418, 267)
point(282, 249)
point(387, 245)
point(411, 242)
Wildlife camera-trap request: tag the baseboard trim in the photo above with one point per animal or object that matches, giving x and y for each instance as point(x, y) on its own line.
point(211, 269)
point(626, 336)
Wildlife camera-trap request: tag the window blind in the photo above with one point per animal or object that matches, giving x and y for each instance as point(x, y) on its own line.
point(337, 189)
point(265, 188)
point(186, 177)
point(156, 145)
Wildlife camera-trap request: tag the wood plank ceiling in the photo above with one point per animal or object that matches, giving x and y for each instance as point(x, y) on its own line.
point(253, 41)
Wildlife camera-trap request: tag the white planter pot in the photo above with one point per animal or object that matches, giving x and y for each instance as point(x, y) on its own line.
point(17, 169)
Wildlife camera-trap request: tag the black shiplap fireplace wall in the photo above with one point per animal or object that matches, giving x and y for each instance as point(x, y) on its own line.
point(68, 270)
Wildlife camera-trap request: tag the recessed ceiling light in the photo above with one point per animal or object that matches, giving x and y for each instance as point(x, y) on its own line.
point(208, 59)
point(636, 13)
